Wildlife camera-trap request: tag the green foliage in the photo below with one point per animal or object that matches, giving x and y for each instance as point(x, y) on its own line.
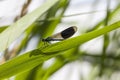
point(35, 57)
point(3, 28)
point(16, 29)
point(41, 23)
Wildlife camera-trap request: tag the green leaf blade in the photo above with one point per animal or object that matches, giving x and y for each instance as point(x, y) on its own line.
point(73, 42)
point(33, 58)
point(22, 63)
point(16, 29)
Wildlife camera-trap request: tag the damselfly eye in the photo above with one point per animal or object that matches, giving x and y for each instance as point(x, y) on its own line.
point(62, 35)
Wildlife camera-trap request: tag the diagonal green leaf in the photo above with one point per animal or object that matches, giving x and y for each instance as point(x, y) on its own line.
point(23, 63)
point(33, 58)
point(3, 28)
point(73, 42)
point(16, 29)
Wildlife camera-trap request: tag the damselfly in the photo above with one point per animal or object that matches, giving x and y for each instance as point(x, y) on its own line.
point(61, 35)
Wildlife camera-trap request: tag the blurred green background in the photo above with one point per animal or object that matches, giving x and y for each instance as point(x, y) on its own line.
point(97, 59)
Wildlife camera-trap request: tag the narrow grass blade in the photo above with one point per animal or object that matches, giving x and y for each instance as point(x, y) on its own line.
point(16, 29)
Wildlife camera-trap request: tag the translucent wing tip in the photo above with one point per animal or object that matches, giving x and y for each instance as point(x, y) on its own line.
point(75, 28)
